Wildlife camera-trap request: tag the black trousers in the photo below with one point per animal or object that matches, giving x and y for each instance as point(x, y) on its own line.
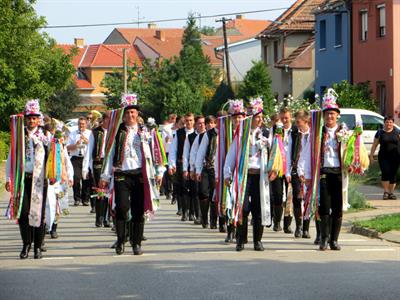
point(276, 189)
point(206, 193)
point(81, 186)
point(29, 232)
point(194, 199)
point(101, 204)
point(129, 197)
point(252, 200)
point(297, 195)
point(331, 199)
point(166, 186)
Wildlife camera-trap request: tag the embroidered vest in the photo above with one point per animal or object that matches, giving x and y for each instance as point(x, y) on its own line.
point(211, 148)
point(181, 136)
point(98, 134)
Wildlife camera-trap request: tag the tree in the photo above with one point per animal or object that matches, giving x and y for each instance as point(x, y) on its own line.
point(222, 94)
point(257, 83)
point(182, 100)
point(355, 96)
point(30, 64)
point(61, 104)
point(208, 30)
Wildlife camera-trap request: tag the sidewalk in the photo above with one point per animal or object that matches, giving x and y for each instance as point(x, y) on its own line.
point(382, 207)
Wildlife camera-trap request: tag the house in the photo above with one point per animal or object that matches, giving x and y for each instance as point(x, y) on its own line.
point(288, 48)
point(93, 63)
point(332, 44)
point(376, 51)
point(243, 47)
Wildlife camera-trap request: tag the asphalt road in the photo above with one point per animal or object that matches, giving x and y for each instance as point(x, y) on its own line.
point(184, 261)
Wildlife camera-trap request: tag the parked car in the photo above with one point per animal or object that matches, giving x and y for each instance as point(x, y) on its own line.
point(371, 121)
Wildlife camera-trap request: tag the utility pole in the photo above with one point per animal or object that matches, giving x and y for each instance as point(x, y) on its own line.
point(228, 71)
point(125, 71)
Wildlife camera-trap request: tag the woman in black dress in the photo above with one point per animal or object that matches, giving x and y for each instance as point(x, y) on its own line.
point(388, 157)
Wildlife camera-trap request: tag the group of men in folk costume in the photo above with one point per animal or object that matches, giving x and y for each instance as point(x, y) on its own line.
point(226, 167)
point(285, 171)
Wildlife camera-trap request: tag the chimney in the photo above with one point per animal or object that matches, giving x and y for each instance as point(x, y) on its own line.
point(239, 17)
point(160, 35)
point(152, 26)
point(79, 42)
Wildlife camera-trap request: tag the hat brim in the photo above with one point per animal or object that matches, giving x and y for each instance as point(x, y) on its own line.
point(331, 108)
point(32, 115)
point(236, 114)
point(132, 107)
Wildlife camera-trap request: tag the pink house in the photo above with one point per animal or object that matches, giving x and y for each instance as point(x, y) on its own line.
point(376, 51)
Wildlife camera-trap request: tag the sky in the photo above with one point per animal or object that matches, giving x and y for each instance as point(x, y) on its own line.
point(72, 12)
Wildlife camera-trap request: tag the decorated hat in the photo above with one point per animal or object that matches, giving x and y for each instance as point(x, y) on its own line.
point(256, 106)
point(329, 101)
point(32, 108)
point(236, 107)
point(129, 101)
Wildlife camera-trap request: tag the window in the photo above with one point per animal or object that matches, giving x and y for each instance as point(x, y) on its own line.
point(364, 25)
point(322, 35)
point(382, 20)
point(371, 122)
point(338, 30)
point(349, 120)
point(276, 51)
point(266, 55)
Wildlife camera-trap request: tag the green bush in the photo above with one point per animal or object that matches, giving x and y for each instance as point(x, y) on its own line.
point(357, 200)
point(4, 144)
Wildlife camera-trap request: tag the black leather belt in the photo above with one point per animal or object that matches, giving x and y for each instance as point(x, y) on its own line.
point(331, 171)
point(129, 172)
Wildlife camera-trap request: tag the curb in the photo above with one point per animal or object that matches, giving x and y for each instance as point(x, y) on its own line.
point(365, 232)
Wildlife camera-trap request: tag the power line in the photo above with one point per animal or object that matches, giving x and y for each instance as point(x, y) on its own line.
point(161, 20)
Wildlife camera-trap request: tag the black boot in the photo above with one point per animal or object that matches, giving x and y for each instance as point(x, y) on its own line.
point(286, 225)
point(38, 240)
point(121, 236)
point(318, 228)
point(53, 232)
point(324, 227)
point(213, 215)
point(306, 226)
point(25, 251)
point(230, 233)
point(240, 236)
point(278, 211)
point(26, 236)
point(335, 230)
point(204, 212)
point(222, 225)
point(245, 229)
point(258, 231)
point(99, 207)
point(298, 219)
point(37, 253)
point(137, 229)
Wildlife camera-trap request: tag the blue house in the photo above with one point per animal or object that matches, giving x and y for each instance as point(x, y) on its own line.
point(332, 44)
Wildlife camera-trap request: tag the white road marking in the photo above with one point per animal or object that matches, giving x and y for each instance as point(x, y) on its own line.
point(375, 250)
point(57, 258)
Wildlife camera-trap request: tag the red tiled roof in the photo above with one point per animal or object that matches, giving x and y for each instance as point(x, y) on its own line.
point(296, 59)
point(83, 84)
point(299, 17)
point(248, 28)
point(130, 34)
point(67, 48)
point(101, 55)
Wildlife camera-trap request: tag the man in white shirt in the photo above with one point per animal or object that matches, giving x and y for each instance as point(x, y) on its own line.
point(175, 164)
point(128, 168)
point(31, 213)
point(167, 136)
point(76, 146)
point(189, 156)
point(296, 140)
point(330, 207)
point(92, 164)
